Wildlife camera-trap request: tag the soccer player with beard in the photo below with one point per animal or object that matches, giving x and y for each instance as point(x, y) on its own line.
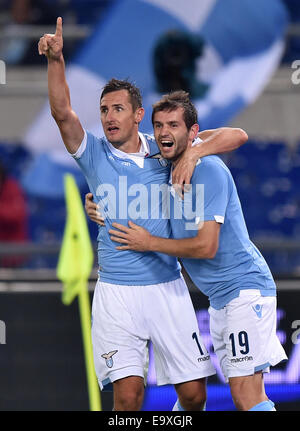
point(218, 255)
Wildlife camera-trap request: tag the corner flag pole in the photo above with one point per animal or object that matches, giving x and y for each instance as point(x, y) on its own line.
point(73, 269)
point(85, 318)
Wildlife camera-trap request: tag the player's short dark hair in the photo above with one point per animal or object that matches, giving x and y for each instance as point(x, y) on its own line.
point(177, 99)
point(117, 85)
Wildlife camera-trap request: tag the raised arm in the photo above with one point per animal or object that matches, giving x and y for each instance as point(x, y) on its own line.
point(215, 141)
point(51, 46)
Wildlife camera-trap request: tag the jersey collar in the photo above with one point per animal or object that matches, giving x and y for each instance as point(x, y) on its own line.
point(144, 150)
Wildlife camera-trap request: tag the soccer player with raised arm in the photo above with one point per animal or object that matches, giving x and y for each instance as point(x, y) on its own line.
point(210, 236)
point(138, 297)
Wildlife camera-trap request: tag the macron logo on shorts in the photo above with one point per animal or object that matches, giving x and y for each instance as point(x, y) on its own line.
point(108, 358)
point(258, 310)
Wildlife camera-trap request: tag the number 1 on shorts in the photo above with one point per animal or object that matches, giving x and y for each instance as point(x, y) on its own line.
point(195, 337)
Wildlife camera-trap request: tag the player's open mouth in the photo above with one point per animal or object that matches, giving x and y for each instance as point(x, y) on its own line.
point(112, 128)
point(167, 144)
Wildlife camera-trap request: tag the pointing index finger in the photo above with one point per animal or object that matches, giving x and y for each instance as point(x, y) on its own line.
point(58, 31)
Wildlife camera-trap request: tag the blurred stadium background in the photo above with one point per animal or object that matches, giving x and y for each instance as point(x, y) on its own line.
point(41, 357)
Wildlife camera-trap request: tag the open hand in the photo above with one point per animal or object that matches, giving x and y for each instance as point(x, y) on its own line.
point(133, 237)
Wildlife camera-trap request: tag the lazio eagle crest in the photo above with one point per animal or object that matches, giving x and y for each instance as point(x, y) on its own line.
point(108, 358)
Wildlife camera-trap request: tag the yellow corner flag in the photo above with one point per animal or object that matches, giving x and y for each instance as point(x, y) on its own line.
point(76, 255)
point(75, 264)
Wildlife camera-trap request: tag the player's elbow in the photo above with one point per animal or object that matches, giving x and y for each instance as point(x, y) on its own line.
point(241, 136)
point(61, 114)
point(209, 251)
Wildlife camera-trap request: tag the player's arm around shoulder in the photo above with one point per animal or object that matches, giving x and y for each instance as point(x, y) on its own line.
point(51, 45)
point(221, 140)
point(213, 141)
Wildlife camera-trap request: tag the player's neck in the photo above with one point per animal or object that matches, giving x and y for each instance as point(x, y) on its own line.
point(176, 160)
point(133, 145)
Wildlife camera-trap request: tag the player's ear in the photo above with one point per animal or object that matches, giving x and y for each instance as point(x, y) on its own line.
point(194, 130)
point(139, 115)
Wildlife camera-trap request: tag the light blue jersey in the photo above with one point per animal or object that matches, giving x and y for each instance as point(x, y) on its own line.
point(128, 190)
point(238, 264)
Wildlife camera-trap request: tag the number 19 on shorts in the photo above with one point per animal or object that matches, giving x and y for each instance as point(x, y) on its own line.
point(239, 343)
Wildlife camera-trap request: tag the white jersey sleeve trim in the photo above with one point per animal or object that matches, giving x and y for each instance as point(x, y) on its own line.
point(81, 148)
point(219, 219)
point(197, 141)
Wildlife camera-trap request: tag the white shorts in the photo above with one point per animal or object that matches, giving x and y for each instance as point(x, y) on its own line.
point(125, 318)
point(244, 334)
